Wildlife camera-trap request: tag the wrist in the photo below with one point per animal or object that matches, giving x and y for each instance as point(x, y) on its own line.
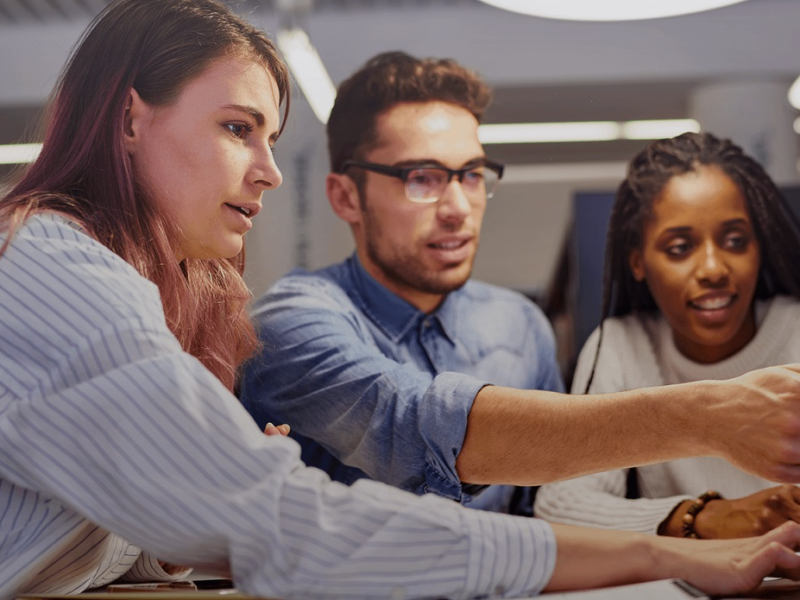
point(679, 415)
point(672, 526)
point(683, 520)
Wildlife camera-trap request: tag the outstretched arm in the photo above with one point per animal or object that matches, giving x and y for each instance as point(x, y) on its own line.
point(534, 437)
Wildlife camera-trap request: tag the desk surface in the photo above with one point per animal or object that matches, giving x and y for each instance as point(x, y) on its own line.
point(779, 589)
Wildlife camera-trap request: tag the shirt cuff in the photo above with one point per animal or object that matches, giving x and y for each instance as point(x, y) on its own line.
point(509, 556)
point(443, 426)
point(148, 568)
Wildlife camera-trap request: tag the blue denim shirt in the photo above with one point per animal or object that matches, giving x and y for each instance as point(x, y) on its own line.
point(373, 387)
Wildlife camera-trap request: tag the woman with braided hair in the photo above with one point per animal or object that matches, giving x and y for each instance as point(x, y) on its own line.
point(700, 283)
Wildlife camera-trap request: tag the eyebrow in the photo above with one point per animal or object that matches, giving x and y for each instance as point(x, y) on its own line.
point(256, 114)
point(253, 112)
point(687, 228)
point(432, 161)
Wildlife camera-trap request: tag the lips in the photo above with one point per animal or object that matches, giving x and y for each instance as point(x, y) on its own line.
point(713, 301)
point(448, 245)
point(452, 250)
point(248, 209)
point(241, 209)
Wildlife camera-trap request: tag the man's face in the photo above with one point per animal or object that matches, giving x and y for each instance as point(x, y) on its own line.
point(420, 252)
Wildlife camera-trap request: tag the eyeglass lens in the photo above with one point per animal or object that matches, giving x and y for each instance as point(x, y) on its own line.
point(428, 184)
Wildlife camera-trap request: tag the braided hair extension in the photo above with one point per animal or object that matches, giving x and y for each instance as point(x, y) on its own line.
point(775, 225)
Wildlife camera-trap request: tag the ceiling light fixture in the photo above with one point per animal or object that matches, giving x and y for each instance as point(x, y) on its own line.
point(584, 131)
point(308, 70)
point(528, 133)
point(657, 129)
point(18, 154)
point(619, 10)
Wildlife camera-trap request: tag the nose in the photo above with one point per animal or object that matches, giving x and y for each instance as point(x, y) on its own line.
point(454, 205)
point(712, 267)
point(265, 172)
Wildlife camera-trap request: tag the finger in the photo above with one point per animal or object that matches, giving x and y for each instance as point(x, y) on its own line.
point(772, 558)
point(785, 473)
point(787, 534)
point(787, 562)
point(780, 498)
point(283, 429)
point(270, 429)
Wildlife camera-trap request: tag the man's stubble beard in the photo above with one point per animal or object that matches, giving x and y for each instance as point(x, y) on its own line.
point(407, 270)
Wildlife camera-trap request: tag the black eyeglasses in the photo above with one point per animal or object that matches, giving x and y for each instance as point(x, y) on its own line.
point(427, 183)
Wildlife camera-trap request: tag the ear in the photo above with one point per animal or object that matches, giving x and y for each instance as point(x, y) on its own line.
point(344, 197)
point(136, 112)
point(636, 263)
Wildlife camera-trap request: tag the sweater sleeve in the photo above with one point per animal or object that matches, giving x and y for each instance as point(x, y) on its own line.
point(599, 500)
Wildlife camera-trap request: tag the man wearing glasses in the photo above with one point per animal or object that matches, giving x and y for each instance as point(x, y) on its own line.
point(375, 362)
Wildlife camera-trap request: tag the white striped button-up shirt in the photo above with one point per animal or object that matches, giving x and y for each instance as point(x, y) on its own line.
point(106, 425)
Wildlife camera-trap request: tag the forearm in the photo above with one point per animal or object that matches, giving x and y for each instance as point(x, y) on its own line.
point(590, 558)
point(534, 437)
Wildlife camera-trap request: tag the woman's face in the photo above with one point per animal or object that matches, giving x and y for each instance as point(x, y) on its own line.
point(206, 158)
point(700, 260)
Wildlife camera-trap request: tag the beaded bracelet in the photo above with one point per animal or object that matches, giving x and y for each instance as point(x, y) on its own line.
point(694, 509)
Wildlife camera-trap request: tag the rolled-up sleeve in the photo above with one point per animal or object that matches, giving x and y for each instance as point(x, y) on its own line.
point(321, 372)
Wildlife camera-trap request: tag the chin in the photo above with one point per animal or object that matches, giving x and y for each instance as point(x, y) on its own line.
point(217, 253)
point(446, 285)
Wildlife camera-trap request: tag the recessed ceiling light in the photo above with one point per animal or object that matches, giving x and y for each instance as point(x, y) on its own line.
point(584, 131)
point(18, 154)
point(308, 71)
point(618, 10)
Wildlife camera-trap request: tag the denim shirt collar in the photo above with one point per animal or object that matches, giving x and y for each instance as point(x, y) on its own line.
point(389, 312)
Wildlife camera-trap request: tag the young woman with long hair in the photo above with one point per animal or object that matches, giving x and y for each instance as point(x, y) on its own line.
point(700, 282)
point(122, 326)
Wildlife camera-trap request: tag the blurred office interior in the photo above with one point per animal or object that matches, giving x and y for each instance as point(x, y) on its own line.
point(729, 69)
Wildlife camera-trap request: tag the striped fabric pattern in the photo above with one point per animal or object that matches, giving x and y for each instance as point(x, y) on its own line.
point(106, 425)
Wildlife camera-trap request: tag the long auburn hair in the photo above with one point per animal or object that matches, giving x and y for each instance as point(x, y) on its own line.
point(84, 170)
point(774, 223)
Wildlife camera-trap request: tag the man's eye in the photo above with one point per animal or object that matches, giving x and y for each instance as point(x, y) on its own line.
point(473, 177)
point(424, 177)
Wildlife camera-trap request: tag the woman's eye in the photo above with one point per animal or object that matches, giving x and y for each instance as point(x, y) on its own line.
point(239, 129)
point(736, 241)
point(678, 248)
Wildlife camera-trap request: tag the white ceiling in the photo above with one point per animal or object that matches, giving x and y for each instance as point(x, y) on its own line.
point(542, 70)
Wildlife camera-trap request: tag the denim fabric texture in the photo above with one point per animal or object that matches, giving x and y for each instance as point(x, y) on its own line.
point(373, 387)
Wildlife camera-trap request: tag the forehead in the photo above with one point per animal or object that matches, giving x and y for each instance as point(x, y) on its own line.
point(436, 131)
point(234, 81)
point(704, 196)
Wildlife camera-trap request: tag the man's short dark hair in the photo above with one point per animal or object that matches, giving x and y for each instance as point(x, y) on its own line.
point(389, 79)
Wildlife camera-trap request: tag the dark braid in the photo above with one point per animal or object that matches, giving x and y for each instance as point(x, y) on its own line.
point(775, 225)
